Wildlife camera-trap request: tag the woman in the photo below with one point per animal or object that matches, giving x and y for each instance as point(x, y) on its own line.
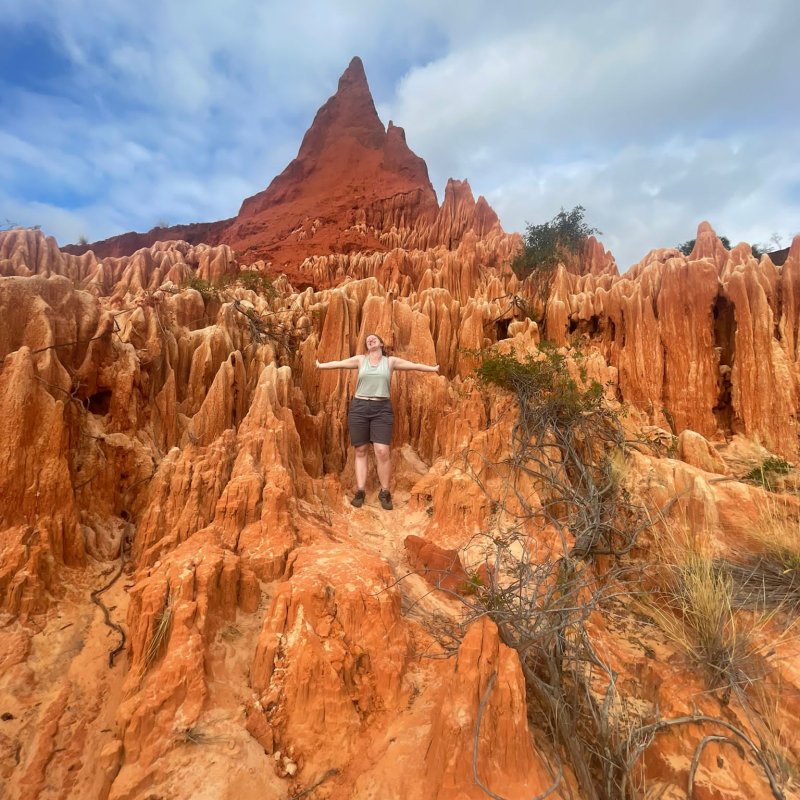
point(370, 417)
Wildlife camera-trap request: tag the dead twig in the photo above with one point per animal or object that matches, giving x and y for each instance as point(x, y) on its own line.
point(161, 631)
point(653, 729)
point(699, 751)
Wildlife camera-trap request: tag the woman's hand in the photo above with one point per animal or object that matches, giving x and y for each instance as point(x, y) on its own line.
point(316, 363)
point(436, 368)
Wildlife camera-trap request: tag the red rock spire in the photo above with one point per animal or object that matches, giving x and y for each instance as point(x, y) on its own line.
point(354, 186)
point(349, 112)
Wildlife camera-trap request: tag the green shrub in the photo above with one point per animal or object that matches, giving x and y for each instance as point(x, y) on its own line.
point(546, 244)
point(207, 290)
point(766, 472)
point(541, 383)
point(257, 282)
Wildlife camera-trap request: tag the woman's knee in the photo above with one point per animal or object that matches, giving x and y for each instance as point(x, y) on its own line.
point(382, 451)
point(362, 450)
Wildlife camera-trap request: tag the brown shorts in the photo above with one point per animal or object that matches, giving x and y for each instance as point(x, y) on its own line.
point(370, 421)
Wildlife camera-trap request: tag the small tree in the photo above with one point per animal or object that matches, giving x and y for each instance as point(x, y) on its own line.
point(543, 247)
point(546, 244)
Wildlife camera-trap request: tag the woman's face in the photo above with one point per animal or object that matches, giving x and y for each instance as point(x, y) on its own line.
point(373, 342)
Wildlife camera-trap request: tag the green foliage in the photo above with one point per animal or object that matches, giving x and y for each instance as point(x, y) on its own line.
point(82, 240)
point(766, 472)
point(206, 289)
point(474, 585)
point(257, 282)
point(687, 246)
point(546, 244)
point(542, 382)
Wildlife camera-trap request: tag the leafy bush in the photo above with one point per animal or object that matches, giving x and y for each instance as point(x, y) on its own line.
point(257, 282)
point(206, 289)
point(544, 383)
point(565, 426)
point(766, 472)
point(546, 244)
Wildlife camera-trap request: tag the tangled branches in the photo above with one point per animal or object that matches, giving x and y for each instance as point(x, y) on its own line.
point(558, 505)
point(565, 440)
point(267, 328)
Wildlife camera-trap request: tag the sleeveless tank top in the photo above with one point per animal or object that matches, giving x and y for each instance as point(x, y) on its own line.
point(373, 381)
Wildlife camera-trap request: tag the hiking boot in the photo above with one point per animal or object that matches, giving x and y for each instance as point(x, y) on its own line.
point(385, 496)
point(358, 498)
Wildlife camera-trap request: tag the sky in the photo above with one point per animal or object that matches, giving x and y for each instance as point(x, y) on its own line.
point(118, 116)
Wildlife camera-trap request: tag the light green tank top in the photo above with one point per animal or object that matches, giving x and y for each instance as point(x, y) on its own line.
point(373, 381)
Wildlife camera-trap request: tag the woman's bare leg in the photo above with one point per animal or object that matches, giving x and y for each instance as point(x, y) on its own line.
point(383, 459)
point(361, 465)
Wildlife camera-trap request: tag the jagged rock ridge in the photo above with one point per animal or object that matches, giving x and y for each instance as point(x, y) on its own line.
point(354, 186)
point(145, 428)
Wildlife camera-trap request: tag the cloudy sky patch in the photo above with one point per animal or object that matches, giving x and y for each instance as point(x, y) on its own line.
point(118, 115)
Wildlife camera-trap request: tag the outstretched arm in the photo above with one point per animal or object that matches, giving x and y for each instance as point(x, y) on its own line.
point(402, 364)
point(349, 363)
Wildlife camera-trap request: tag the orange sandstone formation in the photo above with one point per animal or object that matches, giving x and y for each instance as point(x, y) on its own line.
point(707, 343)
point(190, 606)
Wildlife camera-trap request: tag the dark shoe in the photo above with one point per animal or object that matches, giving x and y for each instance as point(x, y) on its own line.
point(358, 498)
point(385, 496)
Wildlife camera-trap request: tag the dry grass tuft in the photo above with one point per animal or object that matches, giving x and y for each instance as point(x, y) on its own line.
point(767, 575)
point(161, 632)
point(196, 735)
point(695, 607)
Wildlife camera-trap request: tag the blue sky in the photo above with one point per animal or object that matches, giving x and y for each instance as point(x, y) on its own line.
point(117, 116)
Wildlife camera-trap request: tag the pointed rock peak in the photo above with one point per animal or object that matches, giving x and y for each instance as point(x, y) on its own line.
point(354, 76)
point(596, 260)
point(396, 131)
point(353, 90)
point(459, 190)
point(348, 113)
point(708, 245)
point(705, 227)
